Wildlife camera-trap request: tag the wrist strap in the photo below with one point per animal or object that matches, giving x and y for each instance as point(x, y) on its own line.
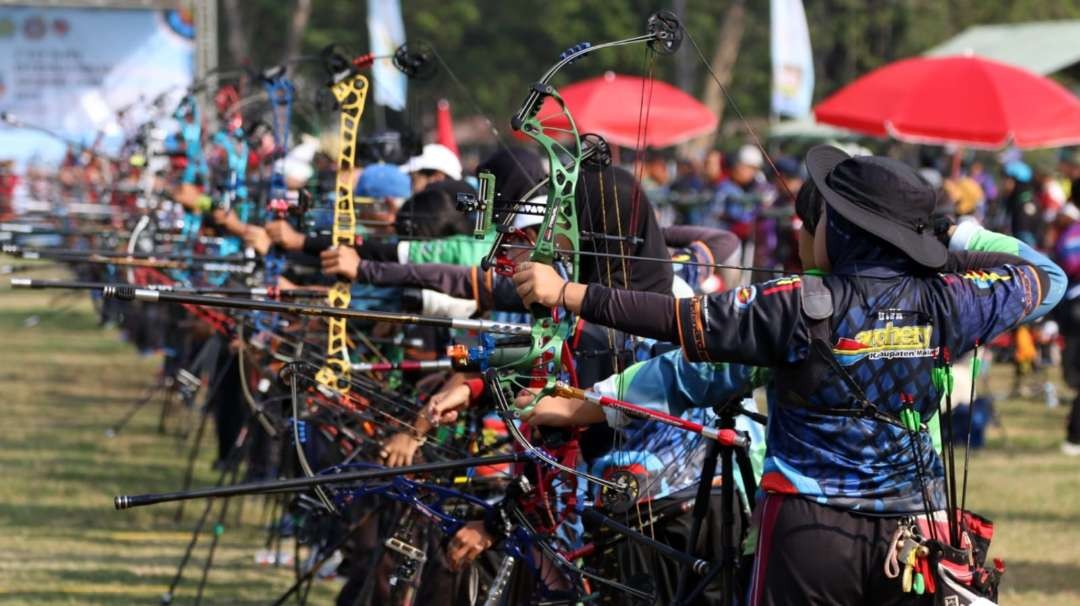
point(562, 294)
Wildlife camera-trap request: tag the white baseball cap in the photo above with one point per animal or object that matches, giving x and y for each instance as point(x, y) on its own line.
point(435, 157)
point(750, 156)
point(297, 170)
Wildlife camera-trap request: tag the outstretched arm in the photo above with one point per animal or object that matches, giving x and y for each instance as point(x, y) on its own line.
point(760, 324)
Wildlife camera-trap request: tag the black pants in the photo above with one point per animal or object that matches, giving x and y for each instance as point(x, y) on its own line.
point(227, 402)
point(1072, 430)
point(1068, 317)
point(812, 554)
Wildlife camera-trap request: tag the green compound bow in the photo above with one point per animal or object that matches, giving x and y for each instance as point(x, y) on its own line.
point(558, 239)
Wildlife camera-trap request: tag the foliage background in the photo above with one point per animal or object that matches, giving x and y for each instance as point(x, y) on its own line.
point(497, 47)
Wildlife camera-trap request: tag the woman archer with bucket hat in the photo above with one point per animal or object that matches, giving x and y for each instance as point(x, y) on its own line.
point(857, 356)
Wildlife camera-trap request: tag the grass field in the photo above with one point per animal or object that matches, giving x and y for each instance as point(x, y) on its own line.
point(65, 380)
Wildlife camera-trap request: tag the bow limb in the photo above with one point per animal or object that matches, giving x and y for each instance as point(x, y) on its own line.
point(351, 94)
point(301, 456)
point(559, 236)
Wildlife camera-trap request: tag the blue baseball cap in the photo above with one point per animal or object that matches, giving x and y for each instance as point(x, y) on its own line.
point(1018, 170)
point(383, 181)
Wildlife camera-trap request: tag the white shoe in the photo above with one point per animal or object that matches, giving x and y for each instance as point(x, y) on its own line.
point(1070, 449)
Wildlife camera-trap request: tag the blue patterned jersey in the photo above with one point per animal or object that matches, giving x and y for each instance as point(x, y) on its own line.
point(666, 459)
point(888, 331)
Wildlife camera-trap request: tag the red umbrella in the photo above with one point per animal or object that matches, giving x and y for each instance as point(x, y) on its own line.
point(630, 111)
point(965, 100)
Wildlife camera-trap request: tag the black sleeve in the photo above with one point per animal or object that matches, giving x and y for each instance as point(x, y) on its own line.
point(637, 312)
point(489, 290)
point(500, 294)
point(761, 324)
point(383, 250)
point(455, 280)
point(314, 245)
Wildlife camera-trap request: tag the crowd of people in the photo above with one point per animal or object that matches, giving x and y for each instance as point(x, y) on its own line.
point(1036, 201)
point(849, 287)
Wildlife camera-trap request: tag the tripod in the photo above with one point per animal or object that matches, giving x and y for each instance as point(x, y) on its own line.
point(728, 456)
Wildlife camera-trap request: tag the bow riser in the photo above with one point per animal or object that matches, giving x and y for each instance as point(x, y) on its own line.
point(351, 95)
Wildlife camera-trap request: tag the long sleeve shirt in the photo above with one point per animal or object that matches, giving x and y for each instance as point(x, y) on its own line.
point(667, 459)
point(888, 331)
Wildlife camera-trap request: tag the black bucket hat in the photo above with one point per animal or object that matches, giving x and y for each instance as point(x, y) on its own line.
point(885, 197)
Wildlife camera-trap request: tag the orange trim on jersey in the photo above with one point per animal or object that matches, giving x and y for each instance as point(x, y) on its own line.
point(699, 329)
point(705, 247)
point(1036, 298)
point(679, 329)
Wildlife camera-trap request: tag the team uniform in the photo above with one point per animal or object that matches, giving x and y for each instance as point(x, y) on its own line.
point(850, 352)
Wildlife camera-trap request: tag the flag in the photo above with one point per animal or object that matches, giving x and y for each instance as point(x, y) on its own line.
point(792, 59)
point(386, 32)
point(444, 124)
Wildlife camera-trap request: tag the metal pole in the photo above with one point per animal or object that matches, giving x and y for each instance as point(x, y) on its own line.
point(206, 47)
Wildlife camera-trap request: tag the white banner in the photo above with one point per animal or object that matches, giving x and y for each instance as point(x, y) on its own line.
point(72, 70)
point(792, 59)
point(387, 32)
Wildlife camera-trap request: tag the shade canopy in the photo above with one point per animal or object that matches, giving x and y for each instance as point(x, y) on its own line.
point(1042, 47)
point(630, 111)
point(963, 100)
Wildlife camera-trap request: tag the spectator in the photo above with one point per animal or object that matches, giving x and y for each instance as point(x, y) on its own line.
point(655, 174)
point(714, 168)
point(966, 195)
point(741, 195)
point(1067, 254)
point(688, 179)
point(435, 163)
point(783, 222)
point(1051, 195)
point(986, 182)
point(1020, 203)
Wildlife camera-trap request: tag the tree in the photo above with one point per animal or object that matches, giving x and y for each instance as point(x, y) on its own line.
point(492, 50)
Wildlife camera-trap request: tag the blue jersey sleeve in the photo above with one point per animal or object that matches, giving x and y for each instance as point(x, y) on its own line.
point(985, 303)
point(971, 236)
point(670, 383)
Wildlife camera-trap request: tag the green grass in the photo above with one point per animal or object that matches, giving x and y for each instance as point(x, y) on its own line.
point(65, 380)
point(1032, 492)
point(62, 382)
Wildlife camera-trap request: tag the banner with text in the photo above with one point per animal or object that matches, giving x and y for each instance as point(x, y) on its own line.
point(792, 59)
point(85, 74)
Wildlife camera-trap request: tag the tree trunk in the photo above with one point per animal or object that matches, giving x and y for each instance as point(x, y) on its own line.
point(239, 48)
point(723, 64)
point(685, 61)
point(297, 25)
